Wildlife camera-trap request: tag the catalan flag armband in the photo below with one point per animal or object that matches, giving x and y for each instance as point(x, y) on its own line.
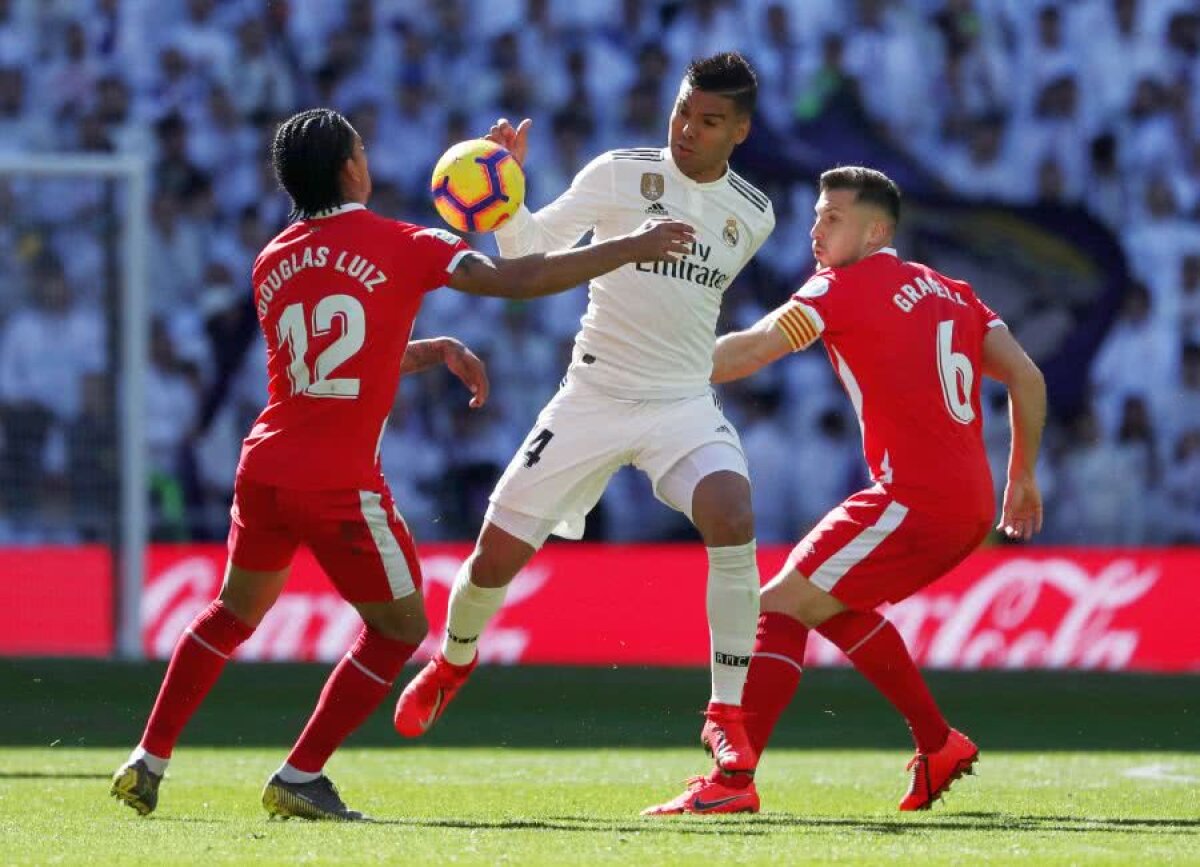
point(797, 323)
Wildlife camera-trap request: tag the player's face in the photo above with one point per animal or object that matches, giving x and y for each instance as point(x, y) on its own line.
point(704, 130)
point(844, 230)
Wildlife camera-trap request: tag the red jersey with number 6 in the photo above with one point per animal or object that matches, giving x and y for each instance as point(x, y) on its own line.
point(907, 344)
point(336, 297)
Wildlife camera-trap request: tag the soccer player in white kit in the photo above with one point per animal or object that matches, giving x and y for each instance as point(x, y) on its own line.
point(637, 390)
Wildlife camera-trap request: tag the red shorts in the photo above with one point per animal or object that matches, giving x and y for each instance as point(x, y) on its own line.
point(358, 537)
point(873, 549)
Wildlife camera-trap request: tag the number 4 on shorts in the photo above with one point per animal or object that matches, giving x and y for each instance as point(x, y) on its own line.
point(537, 445)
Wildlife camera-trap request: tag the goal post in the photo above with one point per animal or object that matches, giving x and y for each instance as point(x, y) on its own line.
point(128, 362)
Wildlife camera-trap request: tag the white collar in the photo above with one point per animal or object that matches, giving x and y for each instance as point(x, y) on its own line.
point(340, 209)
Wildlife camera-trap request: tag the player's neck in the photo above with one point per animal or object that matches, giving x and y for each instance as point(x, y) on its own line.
point(708, 175)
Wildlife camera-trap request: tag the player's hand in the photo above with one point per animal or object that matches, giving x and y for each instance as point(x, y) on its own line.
point(468, 367)
point(661, 240)
point(1021, 516)
point(515, 141)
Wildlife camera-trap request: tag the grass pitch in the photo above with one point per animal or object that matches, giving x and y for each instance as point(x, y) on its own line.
point(551, 766)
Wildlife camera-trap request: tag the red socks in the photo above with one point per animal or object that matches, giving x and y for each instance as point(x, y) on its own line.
point(358, 684)
point(876, 649)
point(196, 664)
point(775, 669)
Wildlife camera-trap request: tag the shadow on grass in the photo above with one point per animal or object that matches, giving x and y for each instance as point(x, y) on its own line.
point(52, 775)
point(764, 824)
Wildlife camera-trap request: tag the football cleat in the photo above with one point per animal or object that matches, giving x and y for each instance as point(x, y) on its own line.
point(932, 773)
point(425, 698)
point(716, 793)
point(724, 737)
point(316, 799)
point(136, 785)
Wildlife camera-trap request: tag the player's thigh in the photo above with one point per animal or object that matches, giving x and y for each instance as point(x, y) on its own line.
point(685, 442)
point(250, 594)
point(262, 541)
point(362, 543)
point(873, 549)
point(791, 593)
point(710, 486)
point(561, 470)
point(400, 619)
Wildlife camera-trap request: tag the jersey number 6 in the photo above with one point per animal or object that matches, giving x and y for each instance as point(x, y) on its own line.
point(956, 374)
point(293, 330)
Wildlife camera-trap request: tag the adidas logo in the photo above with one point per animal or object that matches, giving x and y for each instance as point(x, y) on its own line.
point(657, 210)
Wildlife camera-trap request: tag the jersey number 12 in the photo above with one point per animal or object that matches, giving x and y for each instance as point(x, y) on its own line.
point(294, 331)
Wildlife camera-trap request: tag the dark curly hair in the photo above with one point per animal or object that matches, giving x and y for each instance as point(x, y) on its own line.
point(308, 153)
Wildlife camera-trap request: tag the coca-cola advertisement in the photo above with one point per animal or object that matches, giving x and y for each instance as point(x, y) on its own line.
point(586, 604)
point(606, 604)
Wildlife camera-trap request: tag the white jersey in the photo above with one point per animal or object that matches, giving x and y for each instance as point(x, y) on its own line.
point(650, 328)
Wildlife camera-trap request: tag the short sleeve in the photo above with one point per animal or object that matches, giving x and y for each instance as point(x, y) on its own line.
point(435, 253)
point(987, 315)
point(820, 301)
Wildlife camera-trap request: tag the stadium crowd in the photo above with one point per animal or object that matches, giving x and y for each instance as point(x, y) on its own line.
point(1092, 104)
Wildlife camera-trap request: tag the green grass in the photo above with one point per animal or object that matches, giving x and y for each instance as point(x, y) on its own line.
point(551, 766)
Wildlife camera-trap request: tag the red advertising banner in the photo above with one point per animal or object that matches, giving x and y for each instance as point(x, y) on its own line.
point(56, 601)
point(607, 604)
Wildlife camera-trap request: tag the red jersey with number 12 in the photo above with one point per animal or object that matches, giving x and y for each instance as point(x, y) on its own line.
point(336, 297)
point(907, 344)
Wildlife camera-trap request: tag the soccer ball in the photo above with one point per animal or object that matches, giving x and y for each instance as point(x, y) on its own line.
point(477, 185)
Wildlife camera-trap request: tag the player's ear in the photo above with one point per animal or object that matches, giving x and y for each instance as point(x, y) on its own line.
point(741, 129)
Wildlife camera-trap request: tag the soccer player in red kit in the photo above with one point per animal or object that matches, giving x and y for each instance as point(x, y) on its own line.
point(336, 294)
point(909, 346)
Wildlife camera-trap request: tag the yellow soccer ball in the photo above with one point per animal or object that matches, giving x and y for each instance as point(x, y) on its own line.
point(477, 185)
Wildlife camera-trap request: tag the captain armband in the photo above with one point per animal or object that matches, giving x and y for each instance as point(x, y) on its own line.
point(795, 320)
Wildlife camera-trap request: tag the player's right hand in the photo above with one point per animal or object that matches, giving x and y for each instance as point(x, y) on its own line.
point(661, 240)
point(1021, 515)
point(515, 141)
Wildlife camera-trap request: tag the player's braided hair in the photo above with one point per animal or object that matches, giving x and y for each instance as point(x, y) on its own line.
point(308, 153)
point(873, 187)
point(726, 74)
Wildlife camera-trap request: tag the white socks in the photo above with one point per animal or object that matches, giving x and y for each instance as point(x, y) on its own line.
point(471, 608)
point(294, 775)
point(733, 592)
point(156, 764)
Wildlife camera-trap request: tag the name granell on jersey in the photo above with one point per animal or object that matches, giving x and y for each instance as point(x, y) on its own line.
point(689, 269)
point(352, 265)
point(908, 296)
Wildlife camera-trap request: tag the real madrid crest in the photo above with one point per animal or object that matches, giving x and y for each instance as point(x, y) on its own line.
point(730, 233)
point(653, 185)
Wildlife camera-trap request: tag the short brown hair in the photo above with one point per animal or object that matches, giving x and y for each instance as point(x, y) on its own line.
point(873, 187)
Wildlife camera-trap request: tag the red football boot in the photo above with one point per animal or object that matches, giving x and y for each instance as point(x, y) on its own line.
point(932, 773)
point(426, 696)
point(716, 793)
point(724, 737)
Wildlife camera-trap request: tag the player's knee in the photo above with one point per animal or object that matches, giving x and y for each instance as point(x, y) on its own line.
point(399, 621)
point(491, 566)
point(733, 524)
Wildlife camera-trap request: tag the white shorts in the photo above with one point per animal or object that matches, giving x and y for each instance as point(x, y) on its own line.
point(583, 436)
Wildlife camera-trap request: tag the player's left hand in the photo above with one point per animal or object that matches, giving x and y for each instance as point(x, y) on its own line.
point(468, 367)
point(1021, 515)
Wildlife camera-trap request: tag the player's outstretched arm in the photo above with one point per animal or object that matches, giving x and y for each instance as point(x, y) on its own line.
point(547, 273)
point(459, 360)
point(741, 353)
point(1006, 361)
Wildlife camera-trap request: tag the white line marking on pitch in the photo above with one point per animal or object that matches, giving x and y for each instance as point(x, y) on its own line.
point(1160, 773)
